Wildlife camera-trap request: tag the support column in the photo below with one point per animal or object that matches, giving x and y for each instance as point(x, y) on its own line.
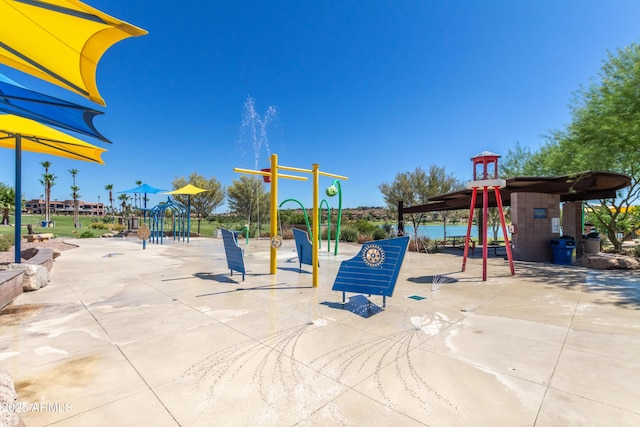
point(273, 225)
point(316, 224)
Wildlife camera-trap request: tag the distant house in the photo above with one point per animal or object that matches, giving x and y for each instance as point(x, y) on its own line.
point(58, 207)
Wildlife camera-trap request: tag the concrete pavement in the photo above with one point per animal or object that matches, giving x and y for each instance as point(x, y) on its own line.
point(165, 336)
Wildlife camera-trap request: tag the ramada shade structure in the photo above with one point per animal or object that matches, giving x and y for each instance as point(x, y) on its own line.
point(583, 186)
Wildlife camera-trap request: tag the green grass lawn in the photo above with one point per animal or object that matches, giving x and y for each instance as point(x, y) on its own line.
point(64, 226)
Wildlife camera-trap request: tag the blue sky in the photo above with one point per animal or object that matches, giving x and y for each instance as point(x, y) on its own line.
point(365, 89)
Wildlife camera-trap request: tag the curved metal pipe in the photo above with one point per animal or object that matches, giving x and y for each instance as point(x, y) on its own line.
point(328, 225)
point(304, 211)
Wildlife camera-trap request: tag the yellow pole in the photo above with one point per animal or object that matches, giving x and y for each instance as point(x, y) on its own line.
point(316, 228)
point(274, 212)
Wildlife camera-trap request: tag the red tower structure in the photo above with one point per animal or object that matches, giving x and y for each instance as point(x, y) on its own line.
point(486, 179)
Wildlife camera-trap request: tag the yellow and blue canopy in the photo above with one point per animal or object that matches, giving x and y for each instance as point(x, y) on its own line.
point(39, 138)
point(20, 101)
point(60, 41)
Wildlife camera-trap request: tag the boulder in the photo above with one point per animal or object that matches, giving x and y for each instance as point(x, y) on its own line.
point(605, 261)
point(8, 400)
point(35, 276)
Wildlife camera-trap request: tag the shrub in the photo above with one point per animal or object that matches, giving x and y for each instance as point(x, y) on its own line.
point(86, 235)
point(118, 228)
point(364, 238)
point(99, 225)
point(379, 234)
point(365, 227)
point(432, 246)
point(349, 234)
point(6, 241)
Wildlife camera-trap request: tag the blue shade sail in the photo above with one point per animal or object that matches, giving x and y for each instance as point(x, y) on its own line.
point(144, 188)
point(20, 101)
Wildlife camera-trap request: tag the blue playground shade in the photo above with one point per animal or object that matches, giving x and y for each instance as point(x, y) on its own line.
point(20, 101)
point(144, 188)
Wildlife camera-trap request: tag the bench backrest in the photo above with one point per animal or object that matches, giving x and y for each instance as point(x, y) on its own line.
point(234, 253)
point(375, 269)
point(303, 247)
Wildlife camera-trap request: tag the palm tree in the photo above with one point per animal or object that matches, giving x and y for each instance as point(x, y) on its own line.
point(48, 180)
point(109, 188)
point(7, 200)
point(75, 196)
point(138, 184)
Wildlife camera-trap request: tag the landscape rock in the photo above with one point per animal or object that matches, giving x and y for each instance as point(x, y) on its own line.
point(35, 276)
point(605, 261)
point(8, 400)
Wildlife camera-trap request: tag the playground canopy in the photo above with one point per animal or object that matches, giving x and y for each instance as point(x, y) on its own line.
point(23, 134)
point(35, 38)
point(189, 190)
point(20, 101)
point(36, 137)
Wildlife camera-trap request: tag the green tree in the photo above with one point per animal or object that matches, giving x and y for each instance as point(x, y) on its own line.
point(604, 134)
point(48, 180)
point(202, 204)
point(248, 198)
point(415, 187)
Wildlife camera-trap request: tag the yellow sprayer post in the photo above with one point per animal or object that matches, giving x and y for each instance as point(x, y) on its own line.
point(316, 226)
point(273, 224)
point(273, 230)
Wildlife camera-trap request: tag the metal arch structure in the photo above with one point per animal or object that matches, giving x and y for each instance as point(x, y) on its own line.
point(157, 215)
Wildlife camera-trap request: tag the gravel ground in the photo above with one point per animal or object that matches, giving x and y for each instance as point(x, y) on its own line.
point(55, 244)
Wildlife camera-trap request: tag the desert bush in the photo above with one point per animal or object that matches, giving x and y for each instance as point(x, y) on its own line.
point(432, 246)
point(424, 244)
point(6, 241)
point(365, 227)
point(349, 234)
point(99, 225)
point(117, 228)
point(380, 234)
point(364, 238)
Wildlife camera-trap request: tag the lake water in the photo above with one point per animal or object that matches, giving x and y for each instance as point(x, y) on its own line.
point(437, 231)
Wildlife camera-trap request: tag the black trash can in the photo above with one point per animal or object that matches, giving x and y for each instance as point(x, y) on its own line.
point(562, 250)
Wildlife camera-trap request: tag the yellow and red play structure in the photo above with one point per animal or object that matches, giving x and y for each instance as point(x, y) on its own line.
point(273, 174)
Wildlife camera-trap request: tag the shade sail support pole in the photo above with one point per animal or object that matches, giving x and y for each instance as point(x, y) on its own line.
point(17, 232)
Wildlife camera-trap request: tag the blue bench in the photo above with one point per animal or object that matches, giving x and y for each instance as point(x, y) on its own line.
point(374, 270)
point(234, 253)
point(303, 247)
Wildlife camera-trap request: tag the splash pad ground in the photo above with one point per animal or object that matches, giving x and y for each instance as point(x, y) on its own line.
point(164, 336)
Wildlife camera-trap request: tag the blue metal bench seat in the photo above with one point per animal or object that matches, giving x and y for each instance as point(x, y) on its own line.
point(374, 270)
point(303, 247)
point(234, 253)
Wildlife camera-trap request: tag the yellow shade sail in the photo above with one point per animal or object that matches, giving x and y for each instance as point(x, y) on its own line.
point(39, 138)
point(187, 189)
point(60, 41)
